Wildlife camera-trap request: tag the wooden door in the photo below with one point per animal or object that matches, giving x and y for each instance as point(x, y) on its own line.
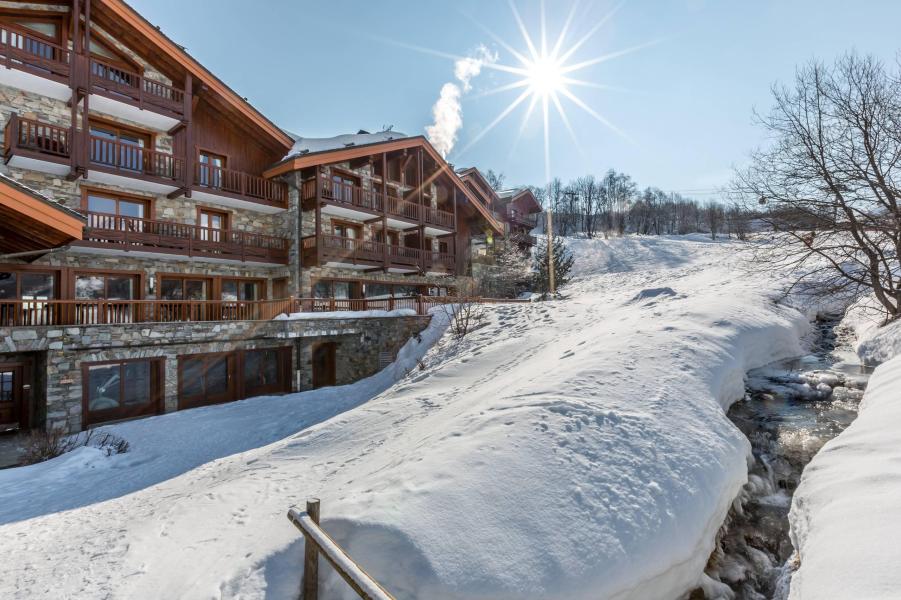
point(213, 222)
point(12, 412)
point(279, 288)
point(205, 379)
point(324, 364)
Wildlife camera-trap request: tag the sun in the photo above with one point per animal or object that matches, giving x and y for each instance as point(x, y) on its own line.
point(545, 76)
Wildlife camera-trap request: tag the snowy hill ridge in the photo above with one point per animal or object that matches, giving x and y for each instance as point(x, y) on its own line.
point(571, 449)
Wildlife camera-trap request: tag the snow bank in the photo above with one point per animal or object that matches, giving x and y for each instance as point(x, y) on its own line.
point(875, 343)
point(846, 517)
point(338, 314)
point(571, 449)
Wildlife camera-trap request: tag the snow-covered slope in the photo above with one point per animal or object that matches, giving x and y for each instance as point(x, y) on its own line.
point(845, 517)
point(571, 449)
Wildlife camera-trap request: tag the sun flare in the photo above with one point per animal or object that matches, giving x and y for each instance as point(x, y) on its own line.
point(545, 76)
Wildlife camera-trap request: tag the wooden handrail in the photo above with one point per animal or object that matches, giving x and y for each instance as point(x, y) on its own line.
point(29, 134)
point(21, 50)
point(124, 84)
point(316, 542)
point(122, 156)
point(239, 182)
point(420, 304)
point(192, 240)
point(38, 312)
point(372, 199)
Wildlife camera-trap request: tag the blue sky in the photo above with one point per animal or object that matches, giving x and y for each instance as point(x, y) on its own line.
point(323, 67)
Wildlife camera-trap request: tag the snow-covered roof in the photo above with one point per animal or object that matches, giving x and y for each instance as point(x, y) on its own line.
point(39, 196)
point(308, 145)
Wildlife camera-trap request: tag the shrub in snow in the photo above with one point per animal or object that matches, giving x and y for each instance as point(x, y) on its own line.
point(44, 445)
point(563, 265)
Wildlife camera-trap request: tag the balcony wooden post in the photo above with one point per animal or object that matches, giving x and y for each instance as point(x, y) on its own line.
point(188, 118)
point(318, 217)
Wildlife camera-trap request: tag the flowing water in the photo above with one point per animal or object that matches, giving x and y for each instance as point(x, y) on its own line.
point(790, 409)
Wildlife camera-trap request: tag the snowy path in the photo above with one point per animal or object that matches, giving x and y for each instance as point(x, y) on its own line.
point(572, 449)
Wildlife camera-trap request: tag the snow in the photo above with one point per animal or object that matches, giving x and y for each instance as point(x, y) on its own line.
point(875, 343)
point(338, 314)
point(845, 516)
point(306, 145)
point(569, 449)
point(845, 519)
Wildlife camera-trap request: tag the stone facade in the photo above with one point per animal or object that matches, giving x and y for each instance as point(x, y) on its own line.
point(60, 352)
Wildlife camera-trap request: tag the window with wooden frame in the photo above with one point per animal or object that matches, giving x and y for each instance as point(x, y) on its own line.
point(115, 211)
point(214, 223)
point(205, 379)
point(107, 285)
point(245, 290)
point(210, 168)
point(390, 237)
point(347, 229)
point(119, 146)
point(121, 389)
point(343, 185)
point(28, 284)
point(177, 287)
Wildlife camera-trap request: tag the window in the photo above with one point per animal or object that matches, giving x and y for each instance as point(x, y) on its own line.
point(106, 286)
point(7, 385)
point(391, 237)
point(27, 285)
point(211, 169)
point(346, 230)
point(121, 389)
point(237, 289)
point(178, 288)
point(343, 187)
point(115, 212)
point(213, 223)
point(119, 147)
point(206, 379)
point(377, 291)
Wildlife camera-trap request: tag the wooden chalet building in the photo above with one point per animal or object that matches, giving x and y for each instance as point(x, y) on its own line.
point(153, 225)
point(516, 209)
point(382, 216)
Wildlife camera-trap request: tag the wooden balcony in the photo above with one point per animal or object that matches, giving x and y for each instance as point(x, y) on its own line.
point(34, 64)
point(370, 202)
point(351, 253)
point(130, 234)
point(217, 181)
point(120, 85)
point(41, 313)
point(517, 217)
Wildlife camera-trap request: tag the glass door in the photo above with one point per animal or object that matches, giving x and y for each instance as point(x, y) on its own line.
point(213, 223)
point(10, 397)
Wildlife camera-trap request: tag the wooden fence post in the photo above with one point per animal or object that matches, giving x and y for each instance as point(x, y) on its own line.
point(311, 557)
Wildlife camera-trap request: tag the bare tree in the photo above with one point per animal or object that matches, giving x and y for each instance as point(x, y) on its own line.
point(495, 180)
point(714, 215)
point(830, 181)
point(590, 197)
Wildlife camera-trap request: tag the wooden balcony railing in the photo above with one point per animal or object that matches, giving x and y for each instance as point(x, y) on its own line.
point(37, 313)
point(34, 136)
point(242, 184)
point(333, 248)
point(132, 88)
point(420, 304)
point(133, 160)
point(372, 200)
point(134, 234)
point(521, 218)
point(21, 50)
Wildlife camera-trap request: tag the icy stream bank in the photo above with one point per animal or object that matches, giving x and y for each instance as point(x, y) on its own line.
point(790, 410)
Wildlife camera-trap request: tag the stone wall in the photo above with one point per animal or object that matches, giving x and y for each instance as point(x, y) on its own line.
point(60, 351)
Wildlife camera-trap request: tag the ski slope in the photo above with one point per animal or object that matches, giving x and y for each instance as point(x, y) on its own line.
point(568, 449)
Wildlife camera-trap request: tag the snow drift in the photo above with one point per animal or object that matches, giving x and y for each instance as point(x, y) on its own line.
point(570, 449)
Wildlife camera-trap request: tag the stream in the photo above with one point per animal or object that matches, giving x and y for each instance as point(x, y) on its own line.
point(790, 409)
